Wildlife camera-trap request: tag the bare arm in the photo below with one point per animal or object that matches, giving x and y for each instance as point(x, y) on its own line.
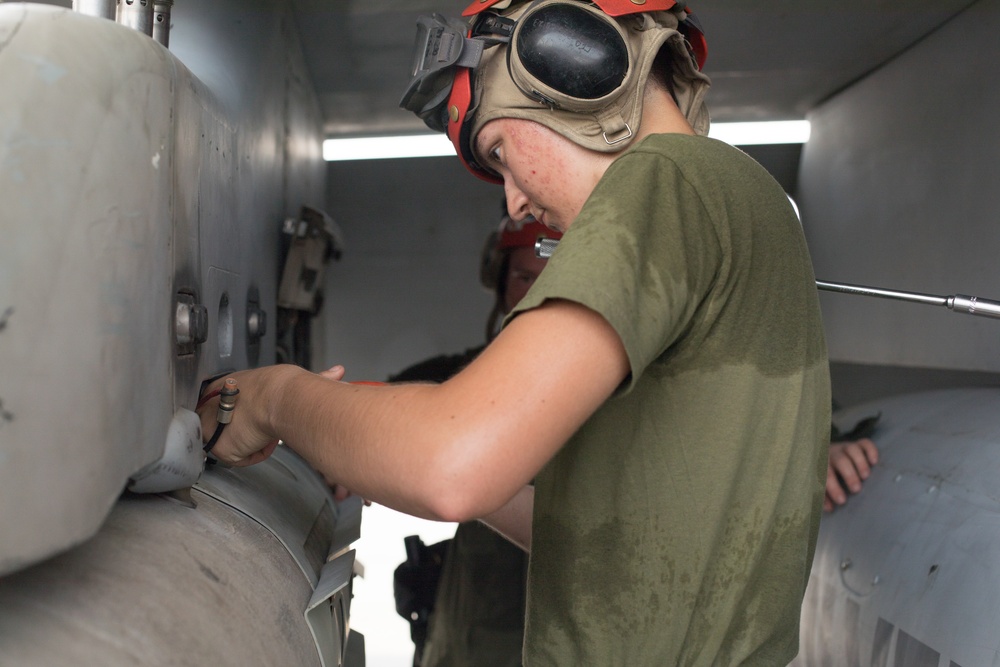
point(454, 451)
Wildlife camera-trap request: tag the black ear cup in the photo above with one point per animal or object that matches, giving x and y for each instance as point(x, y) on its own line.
point(573, 51)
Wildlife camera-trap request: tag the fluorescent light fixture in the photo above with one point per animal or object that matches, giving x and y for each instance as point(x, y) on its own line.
point(767, 132)
point(379, 148)
point(435, 145)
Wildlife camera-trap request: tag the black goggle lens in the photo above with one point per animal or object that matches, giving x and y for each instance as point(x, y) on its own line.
point(572, 51)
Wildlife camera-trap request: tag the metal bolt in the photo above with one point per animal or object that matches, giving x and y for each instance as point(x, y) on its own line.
point(256, 323)
point(191, 323)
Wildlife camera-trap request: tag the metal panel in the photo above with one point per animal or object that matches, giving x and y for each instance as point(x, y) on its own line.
point(168, 583)
point(893, 192)
point(129, 185)
point(141, 215)
point(905, 569)
point(86, 353)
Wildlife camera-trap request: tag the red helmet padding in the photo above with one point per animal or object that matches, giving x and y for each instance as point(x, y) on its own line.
point(609, 7)
point(458, 105)
point(523, 234)
point(478, 6)
point(623, 7)
point(460, 99)
point(696, 38)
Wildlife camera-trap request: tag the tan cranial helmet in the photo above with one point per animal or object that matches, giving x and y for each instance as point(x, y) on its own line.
point(577, 67)
point(511, 81)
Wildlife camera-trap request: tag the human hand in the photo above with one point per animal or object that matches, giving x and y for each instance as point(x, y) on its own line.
point(247, 439)
point(335, 373)
point(849, 462)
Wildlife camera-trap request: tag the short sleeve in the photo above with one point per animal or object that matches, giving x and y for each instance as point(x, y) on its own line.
point(643, 253)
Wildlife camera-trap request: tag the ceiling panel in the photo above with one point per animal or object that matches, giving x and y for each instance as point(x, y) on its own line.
point(773, 64)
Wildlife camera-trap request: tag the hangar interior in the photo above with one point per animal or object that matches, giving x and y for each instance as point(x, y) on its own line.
point(895, 184)
point(889, 184)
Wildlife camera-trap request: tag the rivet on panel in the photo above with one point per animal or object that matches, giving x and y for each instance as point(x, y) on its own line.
point(453, 113)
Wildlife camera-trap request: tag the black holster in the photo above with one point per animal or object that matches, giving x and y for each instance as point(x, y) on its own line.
point(414, 585)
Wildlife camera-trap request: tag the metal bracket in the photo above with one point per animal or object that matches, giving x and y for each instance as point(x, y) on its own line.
point(182, 462)
point(315, 239)
point(190, 323)
point(329, 609)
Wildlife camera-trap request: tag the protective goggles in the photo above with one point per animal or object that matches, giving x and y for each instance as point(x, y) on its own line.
point(442, 45)
point(563, 54)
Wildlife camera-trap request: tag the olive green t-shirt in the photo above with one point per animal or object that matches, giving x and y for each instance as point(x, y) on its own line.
point(478, 618)
point(677, 526)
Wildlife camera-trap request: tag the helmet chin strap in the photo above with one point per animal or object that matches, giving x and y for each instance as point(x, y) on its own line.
point(613, 126)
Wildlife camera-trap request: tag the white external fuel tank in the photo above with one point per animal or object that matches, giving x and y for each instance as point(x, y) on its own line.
point(87, 133)
point(253, 567)
point(142, 196)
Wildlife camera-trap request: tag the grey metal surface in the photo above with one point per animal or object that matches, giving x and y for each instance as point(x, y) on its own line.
point(158, 187)
point(767, 63)
point(86, 283)
point(163, 583)
point(328, 610)
point(161, 21)
point(889, 196)
point(104, 9)
point(905, 573)
point(153, 199)
point(288, 497)
point(136, 14)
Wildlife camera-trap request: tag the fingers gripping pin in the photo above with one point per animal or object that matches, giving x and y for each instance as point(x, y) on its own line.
point(227, 403)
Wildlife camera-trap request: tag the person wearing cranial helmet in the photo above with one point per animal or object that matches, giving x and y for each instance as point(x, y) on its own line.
point(665, 380)
point(699, 482)
point(476, 612)
point(574, 68)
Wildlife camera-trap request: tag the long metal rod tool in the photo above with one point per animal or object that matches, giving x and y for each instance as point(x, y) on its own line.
point(960, 303)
